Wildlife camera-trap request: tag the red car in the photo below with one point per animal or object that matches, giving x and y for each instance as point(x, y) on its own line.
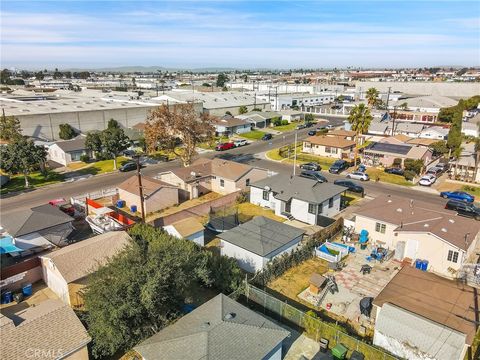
point(63, 205)
point(224, 146)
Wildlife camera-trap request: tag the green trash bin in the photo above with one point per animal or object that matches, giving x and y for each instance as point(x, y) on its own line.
point(339, 352)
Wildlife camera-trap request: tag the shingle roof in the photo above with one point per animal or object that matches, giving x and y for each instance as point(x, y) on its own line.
point(38, 218)
point(331, 141)
point(261, 235)
point(286, 188)
point(435, 298)
point(229, 122)
point(188, 226)
point(49, 328)
point(416, 216)
point(341, 133)
point(419, 334)
point(75, 144)
point(149, 185)
point(82, 258)
point(219, 329)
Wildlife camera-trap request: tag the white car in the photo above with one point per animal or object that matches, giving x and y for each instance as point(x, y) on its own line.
point(330, 127)
point(241, 142)
point(427, 180)
point(358, 175)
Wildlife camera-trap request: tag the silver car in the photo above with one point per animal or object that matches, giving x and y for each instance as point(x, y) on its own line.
point(358, 175)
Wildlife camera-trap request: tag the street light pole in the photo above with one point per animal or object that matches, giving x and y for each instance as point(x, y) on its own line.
point(140, 189)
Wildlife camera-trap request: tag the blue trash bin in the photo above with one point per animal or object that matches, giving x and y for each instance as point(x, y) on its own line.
point(27, 290)
point(120, 203)
point(418, 264)
point(424, 265)
point(7, 297)
point(133, 208)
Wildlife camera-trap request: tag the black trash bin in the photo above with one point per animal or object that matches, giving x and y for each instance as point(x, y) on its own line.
point(357, 356)
point(323, 345)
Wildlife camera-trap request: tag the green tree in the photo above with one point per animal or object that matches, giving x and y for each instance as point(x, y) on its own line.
point(5, 76)
point(114, 141)
point(360, 118)
point(309, 118)
point(403, 106)
point(93, 141)
point(10, 128)
point(372, 96)
point(39, 75)
point(221, 80)
point(67, 132)
point(22, 157)
point(439, 147)
point(242, 110)
point(113, 124)
point(413, 165)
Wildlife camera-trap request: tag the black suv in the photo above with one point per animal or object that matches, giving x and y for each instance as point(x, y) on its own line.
point(338, 166)
point(350, 185)
point(464, 209)
point(311, 166)
point(395, 171)
point(314, 175)
point(267, 137)
point(129, 166)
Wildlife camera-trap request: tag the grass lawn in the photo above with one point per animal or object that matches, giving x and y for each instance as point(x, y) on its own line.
point(388, 178)
point(210, 145)
point(274, 155)
point(296, 279)
point(17, 182)
point(247, 211)
point(253, 135)
point(102, 166)
point(472, 190)
point(283, 128)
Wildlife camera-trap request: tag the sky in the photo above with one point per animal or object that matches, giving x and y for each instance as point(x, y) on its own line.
point(239, 34)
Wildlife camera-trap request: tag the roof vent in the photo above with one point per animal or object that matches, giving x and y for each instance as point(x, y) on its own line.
point(229, 316)
point(426, 225)
point(399, 210)
point(444, 230)
point(451, 221)
point(389, 200)
point(206, 324)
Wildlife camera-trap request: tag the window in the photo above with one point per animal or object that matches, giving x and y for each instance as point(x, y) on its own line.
point(452, 256)
point(330, 202)
point(380, 228)
point(265, 194)
point(247, 182)
point(312, 208)
point(320, 208)
point(222, 183)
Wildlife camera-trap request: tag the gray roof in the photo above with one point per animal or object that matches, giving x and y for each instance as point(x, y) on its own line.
point(409, 127)
point(263, 114)
point(261, 235)
point(28, 221)
point(74, 144)
point(219, 329)
point(420, 335)
point(286, 188)
point(50, 327)
point(376, 126)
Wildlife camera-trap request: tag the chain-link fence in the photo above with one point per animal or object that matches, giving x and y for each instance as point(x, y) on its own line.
point(314, 328)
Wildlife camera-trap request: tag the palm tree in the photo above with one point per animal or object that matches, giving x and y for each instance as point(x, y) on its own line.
point(360, 118)
point(372, 96)
point(477, 156)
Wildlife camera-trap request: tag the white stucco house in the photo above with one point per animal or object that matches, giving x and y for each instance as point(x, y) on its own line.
point(229, 125)
point(297, 198)
point(417, 230)
point(67, 151)
point(189, 228)
point(259, 241)
point(423, 316)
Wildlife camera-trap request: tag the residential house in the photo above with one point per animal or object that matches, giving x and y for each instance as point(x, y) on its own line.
point(298, 198)
point(329, 146)
point(434, 132)
point(48, 330)
point(228, 126)
point(409, 129)
point(418, 230)
point(38, 228)
point(401, 139)
point(465, 167)
point(217, 175)
point(420, 315)
point(260, 119)
point(385, 153)
point(67, 151)
point(65, 271)
point(378, 128)
point(259, 241)
point(292, 115)
point(470, 129)
point(219, 329)
point(189, 228)
point(157, 194)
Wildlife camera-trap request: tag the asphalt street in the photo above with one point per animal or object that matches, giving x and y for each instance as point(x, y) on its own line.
point(248, 154)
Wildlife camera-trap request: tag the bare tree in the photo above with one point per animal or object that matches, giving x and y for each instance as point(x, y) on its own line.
point(165, 125)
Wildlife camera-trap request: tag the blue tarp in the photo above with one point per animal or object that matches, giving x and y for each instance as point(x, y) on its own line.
point(7, 246)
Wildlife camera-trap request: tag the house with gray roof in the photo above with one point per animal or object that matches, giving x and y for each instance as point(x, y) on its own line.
point(298, 198)
point(219, 329)
point(38, 228)
point(67, 151)
point(259, 241)
point(260, 119)
point(48, 330)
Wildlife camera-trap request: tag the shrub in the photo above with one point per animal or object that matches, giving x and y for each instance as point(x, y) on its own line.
point(277, 122)
point(409, 175)
point(414, 165)
point(284, 122)
point(397, 162)
point(85, 158)
point(242, 197)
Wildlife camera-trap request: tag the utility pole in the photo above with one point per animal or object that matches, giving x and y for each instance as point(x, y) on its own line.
point(295, 153)
point(140, 189)
point(393, 119)
point(388, 96)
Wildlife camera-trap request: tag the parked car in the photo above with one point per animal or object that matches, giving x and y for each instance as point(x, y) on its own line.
point(129, 166)
point(314, 175)
point(464, 209)
point(358, 175)
point(301, 126)
point(224, 146)
point(312, 132)
point(443, 166)
point(321, 127)
point(308, 124)
point(350, 185)
point(267, 137)
point(329, 127)
point(434, 171)
point(427, 180)
point(63, 205)
point(311, 166)
point(238, 143)
point(458, 195)
point(395, 171)
point(338, 166)
point(129, 153)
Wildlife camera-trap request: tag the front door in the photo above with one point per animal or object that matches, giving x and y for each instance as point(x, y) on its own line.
point(288, 206)
point(411, 249)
